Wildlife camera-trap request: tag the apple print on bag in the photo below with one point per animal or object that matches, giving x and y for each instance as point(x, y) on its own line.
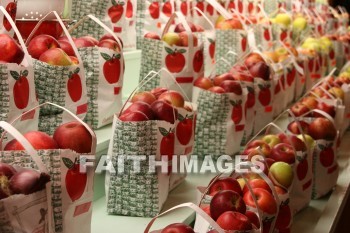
point(11, 9)
point(115, 12)
point(75, 180)
point(111, 68)
point(21, 88)
point(175, 60)
point(74, 86)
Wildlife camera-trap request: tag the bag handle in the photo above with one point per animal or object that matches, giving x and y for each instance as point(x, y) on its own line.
point(192, 206)
point(26, 145)
point(64, 30)
point(92, 133)
point(97, 21)
point(204, 16)
point(19, 36)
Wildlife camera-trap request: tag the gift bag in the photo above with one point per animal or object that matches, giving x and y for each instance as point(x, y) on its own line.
point(118, 15)
point(104, 73)
point(155, 140)
point(220, 122)
point(63, 85)
point(72, 176)
point(235, 40)
point(203, 10)
point(20, 212)
point(152, 16)
point(11, 7)
point(196, 209)
point(17, 89)
point(184, 62)
point(265, 219)
point(301, 76)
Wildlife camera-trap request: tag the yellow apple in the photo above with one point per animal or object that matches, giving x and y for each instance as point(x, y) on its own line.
point(299, 24)
point(171, 38)
point(283, 19)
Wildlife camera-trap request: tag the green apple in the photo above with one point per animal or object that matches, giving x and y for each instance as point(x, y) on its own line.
point(271, 140)
point(281, 174)
point(310, 142)
point(283, 19)
point(299, 24)
point(171, 38)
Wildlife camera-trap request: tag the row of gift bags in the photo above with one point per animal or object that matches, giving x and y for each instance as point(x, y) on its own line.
point(91, 89)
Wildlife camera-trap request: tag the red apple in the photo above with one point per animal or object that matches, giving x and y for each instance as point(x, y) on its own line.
point(177, 228)
point(297, 143)
point(164, 111)
point(234, 221)
point(310, 102)
point(283, 152)
point(216, 89)
point(152, 35)
point(90, 38)
point(252, 59)
point(144, 96)
point(265, 200)
point(253, 217)
point(257, 183)
point(40, 44)
point(223, 77)
point(39, 140)
point(329, 109)
point(74, 60)
point(180, 27)
point(110, 44)
point(140, 106)
point(232, 86)
point(158, 91)
point(66, 47)
point(293, 127)
point(262, 145)
point(225, 183)
point(260, 70)
point(11, 52)
point(203, 82)
point(271, 139)
point(299, 109)
point(83, 42)
point(184, 39)
point(133, 116)
point(56, 57)
point(226, 200)
point(73, 135)
point(173, 97)
point(322, 128)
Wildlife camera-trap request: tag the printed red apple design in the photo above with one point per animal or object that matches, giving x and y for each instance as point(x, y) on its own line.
point(284, 34)
point(20, 89)
point(210, 9)
point(240, 6)
point(326, 156)
point(184, 8)
point(291, 73)
point(278, 87)
point(302, 168)
point(331, 54)
point(251, 97)
point(267, 34)
point(200, 6)
point(319, 29)
point(250, 7)
point(167, 144)
point(154, 10)
point(243, 42)
point(74, 85)
point(237, 111)
point(211, 48)
point(231, 5)
point(198, 60)
point(75, 180)
point(11, 8)
point(116, 11)
point(129, 9)
point(184, 129)
point(167, 9)
point(311, 64)
point(264, 94)
point(175, 60)
point(111, 68)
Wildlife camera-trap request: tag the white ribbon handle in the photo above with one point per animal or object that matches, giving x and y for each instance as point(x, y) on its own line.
point(26, 145)
point(220, 9)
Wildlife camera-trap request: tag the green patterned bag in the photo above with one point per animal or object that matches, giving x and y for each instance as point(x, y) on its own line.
point(17, 88)
point(104, 73)
point(62, 85)
point(70, 193)
point(220, 122)
point(118, 15)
